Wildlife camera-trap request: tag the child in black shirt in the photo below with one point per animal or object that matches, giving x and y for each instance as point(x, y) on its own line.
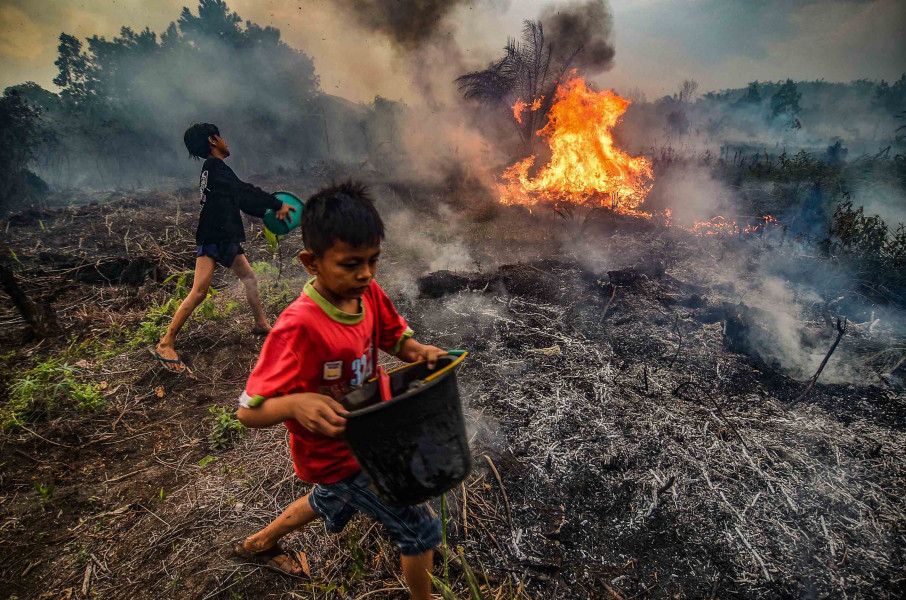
point(220, 233)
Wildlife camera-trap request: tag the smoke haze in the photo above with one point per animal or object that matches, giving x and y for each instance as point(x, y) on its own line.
point(408, 23)
point(583, 27)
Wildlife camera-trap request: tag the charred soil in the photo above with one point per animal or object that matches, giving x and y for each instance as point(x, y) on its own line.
point(632, 398)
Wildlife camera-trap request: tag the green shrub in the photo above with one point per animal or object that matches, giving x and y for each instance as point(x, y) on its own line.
point(40, 390)
point(877, 252)
point(265, 270)
point(154, 326)
point(181, 289)
point(225, 429)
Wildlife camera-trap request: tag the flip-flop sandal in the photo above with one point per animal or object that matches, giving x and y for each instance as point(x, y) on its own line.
point(269, 559)
point(167, 362)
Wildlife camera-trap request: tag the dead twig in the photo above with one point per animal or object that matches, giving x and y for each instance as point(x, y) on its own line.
point(613, 593)
point(679, 343)
point(127, 475)
point(656, 493)
point(506, 501)
point(45, 439)
point(465, 522)
point(757, 556)
point(607, 306)
point(841, 329)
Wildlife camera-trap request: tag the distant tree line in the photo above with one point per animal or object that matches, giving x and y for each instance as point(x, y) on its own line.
point(867, 115)
point(124, 104)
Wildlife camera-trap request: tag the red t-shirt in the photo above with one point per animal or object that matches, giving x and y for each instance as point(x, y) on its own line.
point(315, 347)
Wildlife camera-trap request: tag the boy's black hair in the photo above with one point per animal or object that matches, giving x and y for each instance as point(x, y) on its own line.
point(196, 139)
point(342, 212)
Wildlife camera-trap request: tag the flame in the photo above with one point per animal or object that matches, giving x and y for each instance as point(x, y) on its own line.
point(585, 168)
point(518, 109)
point(721, 226)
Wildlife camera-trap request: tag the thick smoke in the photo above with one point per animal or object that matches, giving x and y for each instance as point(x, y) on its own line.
point(584, 28)
point(408, 23)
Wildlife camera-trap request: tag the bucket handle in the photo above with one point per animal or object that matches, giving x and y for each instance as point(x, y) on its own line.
point(459, 354)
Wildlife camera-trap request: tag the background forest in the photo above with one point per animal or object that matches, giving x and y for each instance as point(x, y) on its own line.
point(122, 104)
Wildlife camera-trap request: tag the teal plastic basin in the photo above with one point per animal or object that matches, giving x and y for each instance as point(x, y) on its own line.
point(278, 227)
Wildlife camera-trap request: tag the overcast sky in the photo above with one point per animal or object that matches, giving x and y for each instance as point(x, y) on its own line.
point(719, 43)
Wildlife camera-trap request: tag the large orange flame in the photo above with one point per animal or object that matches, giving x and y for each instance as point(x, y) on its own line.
point(585, 168)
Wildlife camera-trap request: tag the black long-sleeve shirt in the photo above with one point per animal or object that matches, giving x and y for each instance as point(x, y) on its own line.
point(223, 195)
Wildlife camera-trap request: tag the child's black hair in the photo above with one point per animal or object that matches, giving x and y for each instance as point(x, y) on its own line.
point(342, 212)
point(196, 139)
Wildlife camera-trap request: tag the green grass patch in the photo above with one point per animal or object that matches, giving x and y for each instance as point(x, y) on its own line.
point(276, 291)
point(154, 326)
point(49, 385)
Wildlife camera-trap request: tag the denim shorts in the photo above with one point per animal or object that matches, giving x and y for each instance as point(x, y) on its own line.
point(414, 529)
point(225, 254)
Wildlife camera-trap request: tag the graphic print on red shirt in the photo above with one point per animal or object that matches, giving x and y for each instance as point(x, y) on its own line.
point(315, 347)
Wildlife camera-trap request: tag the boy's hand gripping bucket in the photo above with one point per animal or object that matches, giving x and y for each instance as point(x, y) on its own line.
point(412, 447)
point(278, 227)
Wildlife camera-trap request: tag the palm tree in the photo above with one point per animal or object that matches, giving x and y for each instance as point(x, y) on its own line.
point(524, 74)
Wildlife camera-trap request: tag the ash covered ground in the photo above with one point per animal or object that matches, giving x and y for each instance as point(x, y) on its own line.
point(632, 398)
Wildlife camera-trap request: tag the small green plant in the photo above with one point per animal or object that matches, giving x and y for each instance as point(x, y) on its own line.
point(225, 429)
point(276, 291)
point(45, 491)
point(149, 331)
point(160, 496)
point(154, 326)
point(97, 347)
point(41, 389)
point(357, 569)
point(87, 396)
point(443, 585)
point(273, 243)
point(265, 270)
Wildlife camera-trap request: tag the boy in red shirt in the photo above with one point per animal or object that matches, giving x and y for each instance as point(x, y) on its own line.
point(320, 348)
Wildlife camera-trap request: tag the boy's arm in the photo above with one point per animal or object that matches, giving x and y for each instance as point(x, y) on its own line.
point(413, 351)
point(317, 413)
point(250, 199)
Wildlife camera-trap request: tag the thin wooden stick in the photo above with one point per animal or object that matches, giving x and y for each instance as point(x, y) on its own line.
point(607, 306)
point(506, 501)
point(465, 523)
point(841, 329)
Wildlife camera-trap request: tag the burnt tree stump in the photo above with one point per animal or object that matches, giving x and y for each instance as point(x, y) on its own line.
point(39, 316)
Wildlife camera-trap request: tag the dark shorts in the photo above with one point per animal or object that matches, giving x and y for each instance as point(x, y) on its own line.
point(414, 529)
point(225, 254)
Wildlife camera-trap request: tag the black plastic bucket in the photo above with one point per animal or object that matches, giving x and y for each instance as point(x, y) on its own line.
point(412, 447)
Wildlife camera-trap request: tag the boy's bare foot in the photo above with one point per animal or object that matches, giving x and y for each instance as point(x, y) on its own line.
point(292, 563)
point(261, 329)
point(168, 357)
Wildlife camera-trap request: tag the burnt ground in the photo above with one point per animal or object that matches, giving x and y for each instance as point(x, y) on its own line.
point(631, 398)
